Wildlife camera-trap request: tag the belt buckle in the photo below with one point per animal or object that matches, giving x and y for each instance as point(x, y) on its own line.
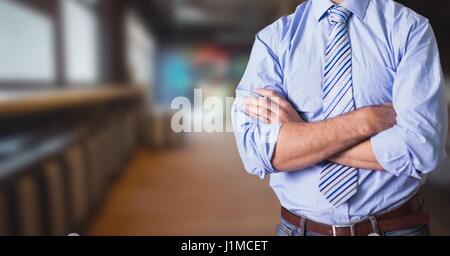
point(351, 227)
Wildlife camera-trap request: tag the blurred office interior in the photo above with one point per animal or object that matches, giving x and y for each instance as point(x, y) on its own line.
point(86, 144)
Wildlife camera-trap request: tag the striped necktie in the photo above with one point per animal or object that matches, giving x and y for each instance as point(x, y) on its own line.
point(338, 183)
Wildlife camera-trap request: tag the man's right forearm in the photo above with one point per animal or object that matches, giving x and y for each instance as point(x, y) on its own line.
point(301, 144)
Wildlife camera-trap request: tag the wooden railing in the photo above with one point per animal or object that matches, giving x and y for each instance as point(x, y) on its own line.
point(13, 103)
point(59, 151)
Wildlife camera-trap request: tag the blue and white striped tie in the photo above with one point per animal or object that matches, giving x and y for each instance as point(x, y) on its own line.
point(338, 183)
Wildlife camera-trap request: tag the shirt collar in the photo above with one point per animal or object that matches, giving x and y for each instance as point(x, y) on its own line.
point(357, 7)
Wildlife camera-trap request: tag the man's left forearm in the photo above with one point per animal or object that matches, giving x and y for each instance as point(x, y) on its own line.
point(359, 156)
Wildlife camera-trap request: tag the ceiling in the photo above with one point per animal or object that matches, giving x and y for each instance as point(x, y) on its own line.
point(227, 21)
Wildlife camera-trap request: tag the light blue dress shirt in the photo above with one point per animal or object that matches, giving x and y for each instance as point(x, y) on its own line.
point(395, 59)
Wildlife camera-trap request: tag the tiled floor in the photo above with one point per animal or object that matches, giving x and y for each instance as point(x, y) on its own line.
point(202, 189)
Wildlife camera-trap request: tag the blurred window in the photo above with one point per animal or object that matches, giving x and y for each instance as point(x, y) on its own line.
point(175, 77)
point(26, 44)
point(81, 41)
point(140, 50)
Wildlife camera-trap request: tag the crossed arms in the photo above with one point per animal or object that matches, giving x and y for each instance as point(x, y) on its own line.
point(408, 141)
point(342, 140)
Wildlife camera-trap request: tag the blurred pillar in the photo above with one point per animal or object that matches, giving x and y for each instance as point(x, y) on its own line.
point(29, 211)
point(54, 185)
point(112, 41)
point(3, 215)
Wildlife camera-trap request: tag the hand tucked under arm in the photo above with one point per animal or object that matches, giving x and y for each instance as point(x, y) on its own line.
point(302, 144)
point(359, 156)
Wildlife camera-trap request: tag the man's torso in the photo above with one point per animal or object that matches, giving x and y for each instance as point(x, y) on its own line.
point(375, 41)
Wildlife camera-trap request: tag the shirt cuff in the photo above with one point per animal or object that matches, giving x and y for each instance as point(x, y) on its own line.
point(391, 151)
point(265, 145)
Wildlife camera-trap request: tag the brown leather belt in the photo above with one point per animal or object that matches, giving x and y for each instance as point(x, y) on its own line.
point(402, 218)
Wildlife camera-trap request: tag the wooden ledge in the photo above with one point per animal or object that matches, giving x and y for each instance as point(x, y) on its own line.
point(32, 101)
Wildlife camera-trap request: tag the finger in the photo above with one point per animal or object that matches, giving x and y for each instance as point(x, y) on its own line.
point(285, 107)
point(267, 93)
point(272, 112)
point(281, 108)
point(262, 102)
point(272, 104)
point(265, 105)
point(278, 104)
point(262, 112)
point(274, 97)
point(254, 114)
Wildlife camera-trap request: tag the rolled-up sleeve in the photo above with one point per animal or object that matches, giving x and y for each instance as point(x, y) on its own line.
point(416, 145)
point(256, 141)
